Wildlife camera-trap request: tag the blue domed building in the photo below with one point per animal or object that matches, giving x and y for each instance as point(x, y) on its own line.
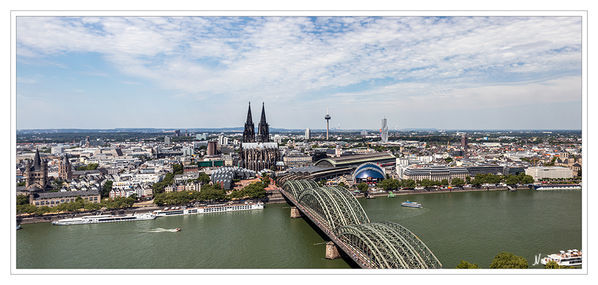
point(369, 173)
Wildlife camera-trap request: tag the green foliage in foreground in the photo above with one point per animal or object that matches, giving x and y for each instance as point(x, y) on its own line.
point(508, 260)
point(466, 265)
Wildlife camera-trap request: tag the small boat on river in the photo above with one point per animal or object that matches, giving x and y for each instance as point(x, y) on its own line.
point(411, 204)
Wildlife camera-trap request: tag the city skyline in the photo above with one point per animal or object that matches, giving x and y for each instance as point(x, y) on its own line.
point(185, 72)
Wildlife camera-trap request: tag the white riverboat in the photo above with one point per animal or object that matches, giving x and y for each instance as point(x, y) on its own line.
point(99, 219)
point(571, 257)
point(549, 187)
point(411, 204)
point(220, 208)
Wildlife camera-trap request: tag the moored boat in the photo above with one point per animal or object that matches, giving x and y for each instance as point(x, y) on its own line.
point(178, 211)
point(571, 257)
point(99, 219)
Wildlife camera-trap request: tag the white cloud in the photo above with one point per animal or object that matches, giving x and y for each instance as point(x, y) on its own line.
point(455, 61)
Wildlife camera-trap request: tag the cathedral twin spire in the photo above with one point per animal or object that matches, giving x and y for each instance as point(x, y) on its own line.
point(263, 128)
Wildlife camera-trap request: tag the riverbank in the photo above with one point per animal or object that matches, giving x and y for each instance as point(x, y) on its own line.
point(413, 192)
point(274, 199)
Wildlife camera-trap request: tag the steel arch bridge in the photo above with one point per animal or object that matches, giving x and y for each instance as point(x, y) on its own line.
point(372, 245)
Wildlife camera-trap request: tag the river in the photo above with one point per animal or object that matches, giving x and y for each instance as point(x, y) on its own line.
point(472, 226)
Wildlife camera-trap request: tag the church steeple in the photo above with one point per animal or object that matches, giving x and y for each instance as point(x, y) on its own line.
point(263, 128)
point(249, 132)
point(37, 162)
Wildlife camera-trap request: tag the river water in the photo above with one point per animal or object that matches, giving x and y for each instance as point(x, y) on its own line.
point(472, 226)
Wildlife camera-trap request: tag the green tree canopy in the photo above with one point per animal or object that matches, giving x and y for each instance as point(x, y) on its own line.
point(389, 184)
point(106, 189)
point(22, 200)
point(457, 182)
point(363, 187)
point(466, 265)
point(506, 260)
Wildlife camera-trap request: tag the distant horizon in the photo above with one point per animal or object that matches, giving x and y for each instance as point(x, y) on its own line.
point(293, 129)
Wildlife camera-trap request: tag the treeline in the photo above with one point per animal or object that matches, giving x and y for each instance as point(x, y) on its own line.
point(477, 181)
point(79, 205)
point(210, 193)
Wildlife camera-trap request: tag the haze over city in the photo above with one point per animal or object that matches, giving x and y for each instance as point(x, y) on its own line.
point(200, 72)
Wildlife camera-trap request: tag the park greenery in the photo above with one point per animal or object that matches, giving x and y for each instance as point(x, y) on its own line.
point(79, 205)
point(91, 166)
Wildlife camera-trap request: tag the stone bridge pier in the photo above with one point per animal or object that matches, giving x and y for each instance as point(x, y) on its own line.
point(295, 213)
point(332, 251)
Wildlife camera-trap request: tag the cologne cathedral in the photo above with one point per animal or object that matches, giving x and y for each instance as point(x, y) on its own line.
point(258, 152)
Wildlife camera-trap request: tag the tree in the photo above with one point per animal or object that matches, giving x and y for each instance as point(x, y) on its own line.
point(177, 168)
point(106, 189)
point(458, 182)
point(22, 200)
point(466, 265)
point(203, 178)
point(444, 182)
point(266, 180)
point(408, 183)
point(389, 184)
point(448, 159)
point(363, 187)
point(508, 260)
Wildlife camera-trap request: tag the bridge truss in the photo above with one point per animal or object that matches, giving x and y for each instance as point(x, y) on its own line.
point(381, 245)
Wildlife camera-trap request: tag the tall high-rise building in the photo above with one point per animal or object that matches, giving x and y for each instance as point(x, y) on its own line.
point(464, 141)
point(384, 131)
point(263, 132)
point(249, 132)
point(211, 148)
point(222, 140)
point(307, 134)
point(327, 118)
point(167, 140)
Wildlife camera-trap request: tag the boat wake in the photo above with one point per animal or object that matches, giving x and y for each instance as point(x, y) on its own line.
point(161, 230)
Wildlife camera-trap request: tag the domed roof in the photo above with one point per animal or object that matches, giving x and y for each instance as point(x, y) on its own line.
point(368, 170)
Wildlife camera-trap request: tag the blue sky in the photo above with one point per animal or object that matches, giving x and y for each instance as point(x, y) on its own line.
point(192, 72)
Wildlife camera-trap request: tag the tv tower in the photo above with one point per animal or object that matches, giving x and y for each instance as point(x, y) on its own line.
point(327, 118)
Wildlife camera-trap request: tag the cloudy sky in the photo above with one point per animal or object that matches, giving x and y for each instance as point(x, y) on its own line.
point(192, 72)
